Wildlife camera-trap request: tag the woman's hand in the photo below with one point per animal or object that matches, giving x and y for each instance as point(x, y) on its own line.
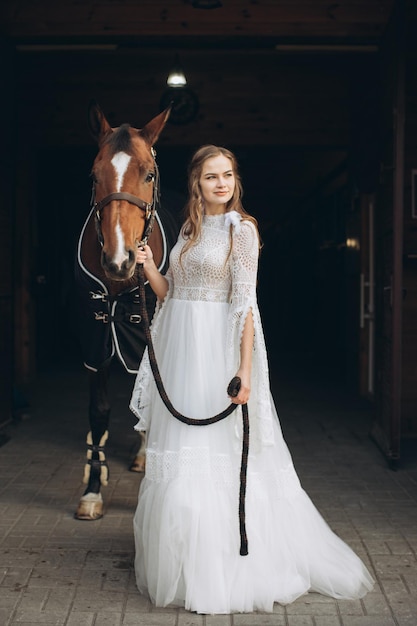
point(244, 391)
point(157, 281)
point(144, 255)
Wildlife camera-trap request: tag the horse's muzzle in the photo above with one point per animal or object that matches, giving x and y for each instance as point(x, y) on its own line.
point(119, 271)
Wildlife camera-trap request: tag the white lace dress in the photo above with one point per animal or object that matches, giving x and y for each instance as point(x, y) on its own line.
point(186, 524)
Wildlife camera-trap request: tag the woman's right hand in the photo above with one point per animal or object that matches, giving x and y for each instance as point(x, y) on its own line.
point(144, 254)
point(157, 281)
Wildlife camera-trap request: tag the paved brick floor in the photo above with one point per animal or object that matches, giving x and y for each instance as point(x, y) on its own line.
point(57, 571)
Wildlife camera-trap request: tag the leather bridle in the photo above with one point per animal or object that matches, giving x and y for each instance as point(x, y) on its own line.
point(150, 208)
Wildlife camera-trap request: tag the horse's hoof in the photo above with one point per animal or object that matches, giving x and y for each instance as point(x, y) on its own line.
point(90, 507)
point(138, 464)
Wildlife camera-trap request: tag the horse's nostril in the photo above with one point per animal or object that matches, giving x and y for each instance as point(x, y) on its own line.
point(131, 258)
point(109, 265)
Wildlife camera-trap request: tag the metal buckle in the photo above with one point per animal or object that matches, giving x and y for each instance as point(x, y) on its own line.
point(135, 319)
point(101, 317)
point(98, 295)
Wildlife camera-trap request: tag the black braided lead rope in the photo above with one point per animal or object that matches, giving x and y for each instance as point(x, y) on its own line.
point(232, 390)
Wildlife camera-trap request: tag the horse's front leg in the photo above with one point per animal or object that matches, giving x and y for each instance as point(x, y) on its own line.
point(96, 471)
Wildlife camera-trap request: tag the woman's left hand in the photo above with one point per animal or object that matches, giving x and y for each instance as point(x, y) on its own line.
point(244, 392)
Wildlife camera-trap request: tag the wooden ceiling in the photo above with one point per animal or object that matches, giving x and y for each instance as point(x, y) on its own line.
point(159, 22)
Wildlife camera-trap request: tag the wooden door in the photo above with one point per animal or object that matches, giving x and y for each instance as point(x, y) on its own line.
point(389, 241)
point(367, 298)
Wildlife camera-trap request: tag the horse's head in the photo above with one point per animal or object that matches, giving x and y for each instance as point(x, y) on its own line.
point(124, 176)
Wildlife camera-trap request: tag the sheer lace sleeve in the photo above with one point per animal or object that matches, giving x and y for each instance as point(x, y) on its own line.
point(244, 269)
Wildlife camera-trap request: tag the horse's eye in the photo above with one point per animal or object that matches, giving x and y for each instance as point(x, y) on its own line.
point(150, 177)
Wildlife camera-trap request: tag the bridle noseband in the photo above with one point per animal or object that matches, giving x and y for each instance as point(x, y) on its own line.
point(150, 208)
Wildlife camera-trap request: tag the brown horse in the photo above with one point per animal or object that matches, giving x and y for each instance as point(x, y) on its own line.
point(125, 212)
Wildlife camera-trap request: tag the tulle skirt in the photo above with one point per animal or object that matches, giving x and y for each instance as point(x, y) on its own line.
point(186, 524)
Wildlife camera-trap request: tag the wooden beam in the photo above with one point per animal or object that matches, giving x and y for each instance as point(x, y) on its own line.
point(153, 18)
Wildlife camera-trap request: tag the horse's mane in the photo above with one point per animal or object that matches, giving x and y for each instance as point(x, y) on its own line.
point(120, 140)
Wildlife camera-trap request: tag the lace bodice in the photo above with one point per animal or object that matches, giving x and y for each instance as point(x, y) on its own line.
point(209, 271)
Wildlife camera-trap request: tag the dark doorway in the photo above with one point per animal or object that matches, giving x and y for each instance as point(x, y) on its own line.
point(303, 273)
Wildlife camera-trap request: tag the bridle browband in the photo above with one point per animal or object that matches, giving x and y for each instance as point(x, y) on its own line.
point(150, 208)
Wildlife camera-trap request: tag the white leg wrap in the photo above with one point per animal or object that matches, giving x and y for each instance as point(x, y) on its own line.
point(104, 470)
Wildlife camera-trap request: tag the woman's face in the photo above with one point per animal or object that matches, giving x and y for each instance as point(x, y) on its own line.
point(217, 183)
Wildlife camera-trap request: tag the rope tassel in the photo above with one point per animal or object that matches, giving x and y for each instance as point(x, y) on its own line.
point(91, 448)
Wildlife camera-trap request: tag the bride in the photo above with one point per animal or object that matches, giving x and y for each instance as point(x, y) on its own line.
point(206, 330)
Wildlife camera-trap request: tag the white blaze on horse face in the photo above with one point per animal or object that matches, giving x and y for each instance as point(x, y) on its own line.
point(120, 162)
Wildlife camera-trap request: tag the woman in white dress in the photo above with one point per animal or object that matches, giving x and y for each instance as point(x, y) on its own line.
point(206, 330)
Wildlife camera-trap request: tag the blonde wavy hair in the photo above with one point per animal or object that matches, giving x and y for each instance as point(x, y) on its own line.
point(194, 209)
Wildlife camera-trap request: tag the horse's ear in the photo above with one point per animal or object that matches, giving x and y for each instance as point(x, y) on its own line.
point(97, 121)
point(153, 129)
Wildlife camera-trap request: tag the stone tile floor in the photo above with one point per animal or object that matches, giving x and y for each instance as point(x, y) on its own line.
point(57, 571)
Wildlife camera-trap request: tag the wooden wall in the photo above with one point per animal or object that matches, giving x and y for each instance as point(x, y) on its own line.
point(253, 97)
point(409, 379)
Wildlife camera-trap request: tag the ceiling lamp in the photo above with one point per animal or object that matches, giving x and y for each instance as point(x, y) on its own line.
point(183, 102)
point(176, 77)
